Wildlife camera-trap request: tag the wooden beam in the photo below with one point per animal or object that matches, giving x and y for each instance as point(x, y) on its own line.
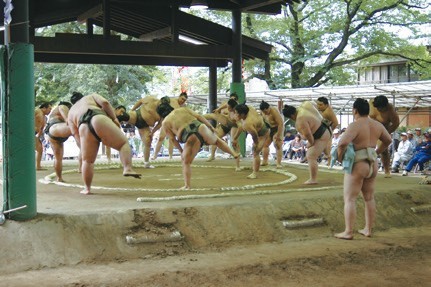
point(256, 4)
point(82, 44)
point(124, 60)
point(158, 34)
point(91, 13)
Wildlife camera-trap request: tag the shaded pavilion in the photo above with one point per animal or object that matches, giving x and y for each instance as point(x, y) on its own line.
point(159, 33)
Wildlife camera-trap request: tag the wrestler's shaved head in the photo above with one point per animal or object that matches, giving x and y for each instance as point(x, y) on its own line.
point(380, 102)
point(242, 109)
point(232, 103)
point(234, 96)
point(289, 111)
point(362, 106)
point(164, 110)
point(67, 104)
point(264, 105)
point(76, 97)
point(323, 100)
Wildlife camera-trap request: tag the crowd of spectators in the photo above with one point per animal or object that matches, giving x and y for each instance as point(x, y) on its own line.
point(410, 150)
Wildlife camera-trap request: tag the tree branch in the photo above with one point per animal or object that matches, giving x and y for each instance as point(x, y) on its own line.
point(284, 46)
point(282, 60)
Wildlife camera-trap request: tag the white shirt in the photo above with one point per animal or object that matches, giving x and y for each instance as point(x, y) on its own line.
point(405, 148)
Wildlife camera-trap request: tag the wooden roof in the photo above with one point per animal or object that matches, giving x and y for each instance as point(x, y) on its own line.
point(155, 31)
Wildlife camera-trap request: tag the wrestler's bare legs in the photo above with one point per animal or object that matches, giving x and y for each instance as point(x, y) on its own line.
point(191, 148)
point(212, 139)
point(313, 154)
point(162, 138)
point(265, 156)
point(79, 162)
point(158, 147)
point(265, 150)
point(146, 138)
point(108, 154)
point(352, 187)
point(370, 206)
point(213, 149)
point(327, 152)
point(57, 147)
point(39, 152)
point(279, 152)
point(386, 161)
point(220, 133)
point(256, 155)
point(313, 166)
point(89, 149)
point(113, 137)
point(236, 148)
point(353, 184)
point(170, 149)
point(60, 130)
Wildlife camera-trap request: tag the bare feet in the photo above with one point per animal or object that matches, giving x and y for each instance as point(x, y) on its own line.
point(210, 159)
point(41, 168)
point(343, 235)
point(365, 232)
point(279, 166)
point(132, 174)
point(85, 192)
point(148, 165)
point(252, 175)
point(310, 182)
point(388, 175)
point(236, 155)
point(60, 180)
point(185, 188)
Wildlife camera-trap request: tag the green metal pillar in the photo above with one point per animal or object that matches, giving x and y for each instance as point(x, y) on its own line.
point(237, 84)
point(17, 106)
point(238, 88)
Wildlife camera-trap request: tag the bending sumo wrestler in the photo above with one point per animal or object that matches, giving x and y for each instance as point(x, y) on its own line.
point(92, 120)
point(183, 125)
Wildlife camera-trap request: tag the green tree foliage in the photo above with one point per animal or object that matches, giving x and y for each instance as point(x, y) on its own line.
point(320, 41)
point(120, 84)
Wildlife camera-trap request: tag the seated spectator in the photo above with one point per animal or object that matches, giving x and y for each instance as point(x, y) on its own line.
point(418, 135)
point(297, 148)
point(403, 154)
point(412, 139)
point(396, 137)
point(422, 155)
point(288, 136)
point(335, 138)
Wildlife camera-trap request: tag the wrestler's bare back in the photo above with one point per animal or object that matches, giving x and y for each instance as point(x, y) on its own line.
point(80, 107)
point(39, 122)
point(273, 118)
point(178, 119)
point(309, 116)
point(329, 114)
point(363, 133)
point(384, 117)
point(107, 127)
point(60, 112)
point(148, 110)
point(253, 122)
